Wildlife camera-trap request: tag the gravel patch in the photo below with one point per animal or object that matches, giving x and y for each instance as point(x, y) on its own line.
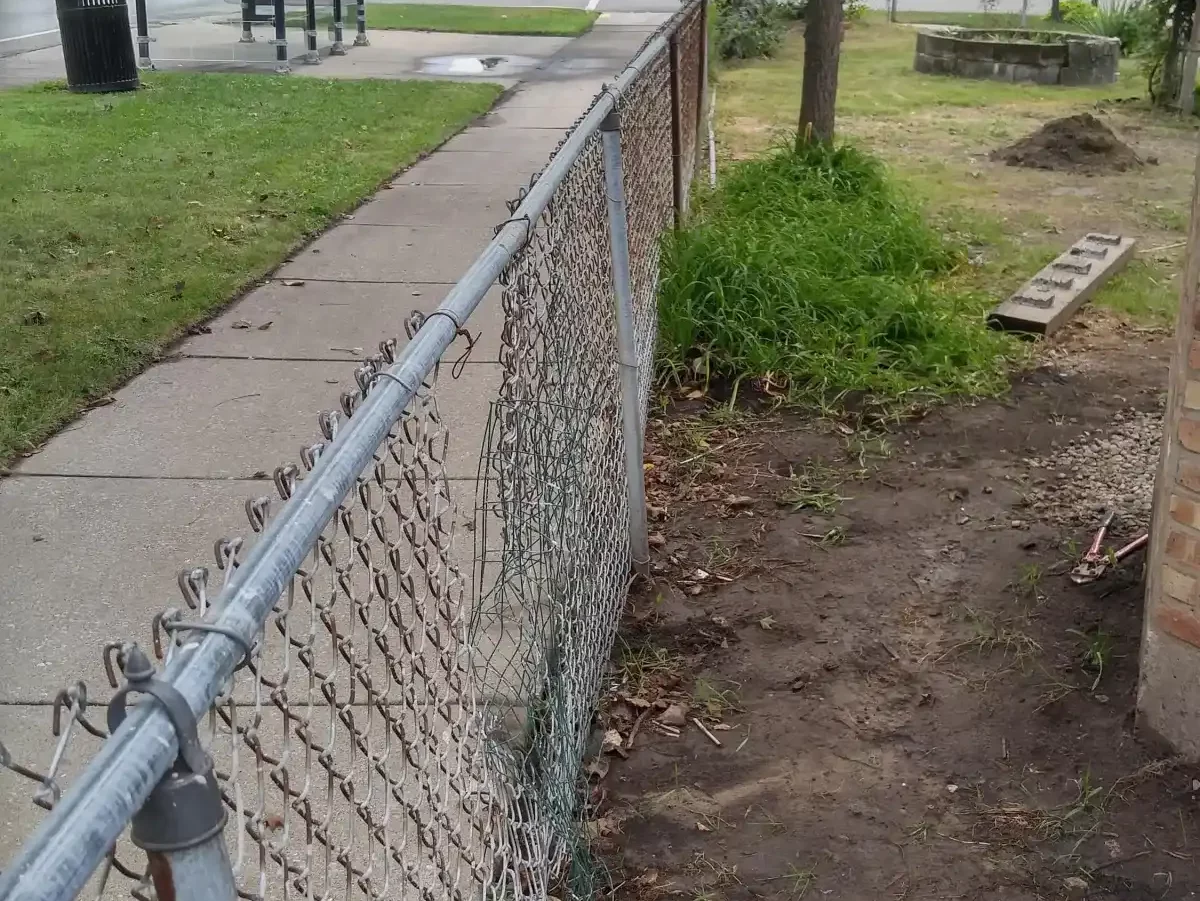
point(1103, 469)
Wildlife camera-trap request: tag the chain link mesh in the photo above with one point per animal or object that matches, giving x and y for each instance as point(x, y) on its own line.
point(398, 732)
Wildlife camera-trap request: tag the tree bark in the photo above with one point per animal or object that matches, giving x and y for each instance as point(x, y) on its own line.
point(1055, 11)
point(822, 48)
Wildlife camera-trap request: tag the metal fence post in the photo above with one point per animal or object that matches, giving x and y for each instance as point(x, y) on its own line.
point(143, 35)
point(631, 413)
point(311, 56)
point(360, 17)
point(338, 48)
point(247, 20)
point(702, 81)
point(181, 825)
point(676, 130)
point(280, 42)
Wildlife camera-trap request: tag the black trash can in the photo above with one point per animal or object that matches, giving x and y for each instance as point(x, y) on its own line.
point(97, 45)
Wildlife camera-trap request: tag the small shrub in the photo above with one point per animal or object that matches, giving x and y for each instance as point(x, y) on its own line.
point(1075, 12)
point(792, 9)
point(808, 268)
point(853, 10)
point(749, 29)
point(1134, 23)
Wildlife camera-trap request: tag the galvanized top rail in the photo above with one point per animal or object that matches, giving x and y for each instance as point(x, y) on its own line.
point(58, 859)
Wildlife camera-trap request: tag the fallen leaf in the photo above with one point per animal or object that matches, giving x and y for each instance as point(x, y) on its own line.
point(648, 878)
point(266, 325)
point(639, 703)
point(700, 575)
point(612, 742)
point(657, 539)
point(703, 828)
point(242, 323)
point(739, 500)
point(767, 622)
point(597, 768)
point(675, 715)
point(721, 727)
point(293, 283)
point(607, 826)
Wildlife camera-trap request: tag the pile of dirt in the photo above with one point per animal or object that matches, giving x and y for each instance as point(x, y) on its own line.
point(1075, 144)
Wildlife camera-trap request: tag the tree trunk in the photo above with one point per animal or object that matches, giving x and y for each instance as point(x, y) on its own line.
point(822, 47)
point(1055, 11)
point(1168, 86)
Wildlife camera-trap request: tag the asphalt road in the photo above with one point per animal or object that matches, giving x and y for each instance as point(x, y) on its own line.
point(27, 24)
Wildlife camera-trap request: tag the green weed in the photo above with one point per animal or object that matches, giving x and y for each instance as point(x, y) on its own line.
point(1096, 652)
point(814, 488)
point(713, 701)
point(810, 269)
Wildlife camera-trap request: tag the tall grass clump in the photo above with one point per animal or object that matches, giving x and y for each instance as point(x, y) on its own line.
point(808, 268)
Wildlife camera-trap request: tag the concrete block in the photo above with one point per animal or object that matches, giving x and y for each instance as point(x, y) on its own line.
point(1053, 295)
point(354, 252)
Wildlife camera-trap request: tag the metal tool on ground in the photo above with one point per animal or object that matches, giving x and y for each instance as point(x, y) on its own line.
point(1051, 297)
point(1097, 561)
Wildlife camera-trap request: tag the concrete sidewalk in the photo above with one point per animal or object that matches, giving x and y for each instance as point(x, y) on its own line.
point(95, 528)
point(212, 44)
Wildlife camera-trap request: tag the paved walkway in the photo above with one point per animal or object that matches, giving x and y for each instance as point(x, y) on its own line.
point(95, 528)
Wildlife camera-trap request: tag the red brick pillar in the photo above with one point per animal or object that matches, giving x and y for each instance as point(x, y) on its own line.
point(1169, 682)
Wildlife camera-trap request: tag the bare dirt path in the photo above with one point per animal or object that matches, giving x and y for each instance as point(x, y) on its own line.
point(912, 699)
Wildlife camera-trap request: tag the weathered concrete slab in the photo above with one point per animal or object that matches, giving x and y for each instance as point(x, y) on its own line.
point(555, 93)
point(1052, 296)
point(354, 252)
point(454, 206)
point(89, 561)
point(471, 167)
point(233, 419)
point(533, 143)
point(334, 321)
point(555, 118)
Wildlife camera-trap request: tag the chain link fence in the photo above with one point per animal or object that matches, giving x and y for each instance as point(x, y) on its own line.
point(385, 714)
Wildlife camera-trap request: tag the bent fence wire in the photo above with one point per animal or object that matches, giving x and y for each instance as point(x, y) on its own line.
point(385, 720)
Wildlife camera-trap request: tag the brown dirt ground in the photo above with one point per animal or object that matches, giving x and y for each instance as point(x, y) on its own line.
point(1080, 143)
point(904, 713)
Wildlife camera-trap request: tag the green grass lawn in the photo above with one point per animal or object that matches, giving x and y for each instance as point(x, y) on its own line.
point(936, 133)
point(544, 21)
point(126, 218)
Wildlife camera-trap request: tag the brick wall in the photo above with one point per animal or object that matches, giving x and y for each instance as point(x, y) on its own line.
point(1169, 683)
